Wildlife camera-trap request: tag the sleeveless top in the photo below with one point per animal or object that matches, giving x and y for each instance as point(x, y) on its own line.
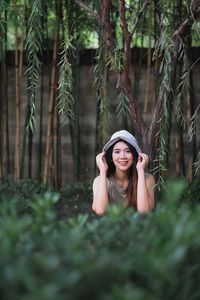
point(116, 193)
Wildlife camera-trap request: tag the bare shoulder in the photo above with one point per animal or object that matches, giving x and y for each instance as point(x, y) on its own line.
point(149, 178)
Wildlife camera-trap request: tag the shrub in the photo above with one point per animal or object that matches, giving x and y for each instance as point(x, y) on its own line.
point(24, 192)
point(191, 194)
point(121, 256)
point(75, 198)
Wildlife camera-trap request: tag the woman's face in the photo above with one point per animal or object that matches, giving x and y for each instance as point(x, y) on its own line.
point(122, 156)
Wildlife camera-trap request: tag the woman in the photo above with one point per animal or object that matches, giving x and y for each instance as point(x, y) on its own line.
point(122, 177)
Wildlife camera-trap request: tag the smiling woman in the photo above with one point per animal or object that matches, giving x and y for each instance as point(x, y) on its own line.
point(122, 177)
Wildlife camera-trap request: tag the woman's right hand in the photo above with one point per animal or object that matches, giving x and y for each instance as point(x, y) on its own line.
point(101, 162)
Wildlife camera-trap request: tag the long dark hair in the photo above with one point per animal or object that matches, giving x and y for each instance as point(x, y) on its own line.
point(132, 175)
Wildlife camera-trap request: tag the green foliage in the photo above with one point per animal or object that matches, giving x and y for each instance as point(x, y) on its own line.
point(33, 48)
point(197, 163)
point(101, 82)
point(23, 193)
point(193, 126)
point(123, 108)
point(65, 100)
point(195, 33)
point(165, 51)
point(75, 198)
point(115, 60)
point(191, 193)
point(123, 255)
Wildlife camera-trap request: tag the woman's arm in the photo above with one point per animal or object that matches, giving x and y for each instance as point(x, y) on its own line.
point(100, 186)
point(146, 185)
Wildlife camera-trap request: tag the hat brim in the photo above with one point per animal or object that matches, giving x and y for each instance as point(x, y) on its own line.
point(113, 141)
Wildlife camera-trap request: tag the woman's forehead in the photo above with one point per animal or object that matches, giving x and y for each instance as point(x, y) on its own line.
point(120, 145)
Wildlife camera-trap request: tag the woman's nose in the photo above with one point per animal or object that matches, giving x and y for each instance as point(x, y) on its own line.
point(123, 154)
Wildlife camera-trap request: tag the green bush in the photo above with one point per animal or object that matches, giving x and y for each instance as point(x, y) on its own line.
point(191, 194)
point(74, 198)
point(188, 191)
point(24, 192)
point(121, 256)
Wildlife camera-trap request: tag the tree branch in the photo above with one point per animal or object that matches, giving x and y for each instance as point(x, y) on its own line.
point(181, 32)
point(139, 14)
point(107, 30)
point(124, 25)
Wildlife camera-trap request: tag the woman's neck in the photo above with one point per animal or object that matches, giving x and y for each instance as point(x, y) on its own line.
point(121, 178)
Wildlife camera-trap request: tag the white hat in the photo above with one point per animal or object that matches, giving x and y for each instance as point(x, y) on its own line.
point(122, 135)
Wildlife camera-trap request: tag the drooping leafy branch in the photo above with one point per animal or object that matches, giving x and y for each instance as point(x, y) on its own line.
point(170, 36)
point(33, 48)
point(65, 98)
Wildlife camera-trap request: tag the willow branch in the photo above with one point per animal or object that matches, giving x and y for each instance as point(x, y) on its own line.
point(87, 9)
point(183, 30)
point(125, 80)
point(180, 33)
point(139, 14)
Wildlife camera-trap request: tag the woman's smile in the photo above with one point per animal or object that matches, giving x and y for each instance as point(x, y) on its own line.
point(122, 156)
point(123, 162)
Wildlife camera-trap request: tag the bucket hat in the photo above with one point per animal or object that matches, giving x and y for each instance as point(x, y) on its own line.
point(125, 136)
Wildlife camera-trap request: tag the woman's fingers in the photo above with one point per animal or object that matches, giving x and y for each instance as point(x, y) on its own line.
point(101, 161)
point(99, 157)
point(143, 159)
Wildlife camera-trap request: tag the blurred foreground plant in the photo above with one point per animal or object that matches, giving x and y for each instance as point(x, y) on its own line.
point(123, 255)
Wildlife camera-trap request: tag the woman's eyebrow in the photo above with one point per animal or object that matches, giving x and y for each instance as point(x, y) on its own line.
point(121, 149)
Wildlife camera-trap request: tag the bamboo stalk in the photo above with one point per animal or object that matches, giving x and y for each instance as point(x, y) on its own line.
point(58, 153)
point(1, 168)
point(17, 104)
point(41, 110)
point(148, 69)
point(1, 120)
point(17, 110)
point(24, 135)
point(50, 114)
point(190, 112)
point(179, 149)
point(51, 171)
point(1, 104)
point(20, 84)
point(6, 164)
point(179, 143)
point(76, 131)
point(156, 64)
point(41, 124)
point(4, 141)
point(49, 135)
